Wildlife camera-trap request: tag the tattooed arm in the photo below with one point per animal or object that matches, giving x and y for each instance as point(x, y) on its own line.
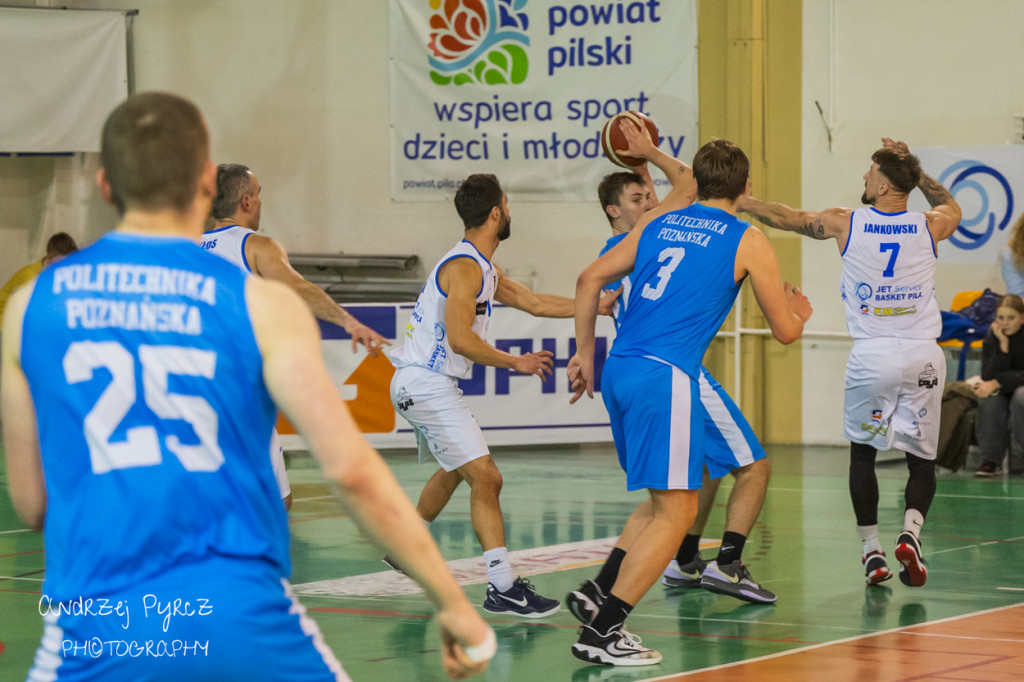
point(945, 214)
point(833, 223)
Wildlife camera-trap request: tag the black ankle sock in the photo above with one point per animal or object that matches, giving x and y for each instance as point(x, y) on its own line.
point(610, 571)
point(688, 550)
point(612, 614)
point(732, 548)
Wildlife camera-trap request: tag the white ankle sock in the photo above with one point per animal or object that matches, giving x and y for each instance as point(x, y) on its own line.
point(912, 522)
point(869, 538)
point(499, 570)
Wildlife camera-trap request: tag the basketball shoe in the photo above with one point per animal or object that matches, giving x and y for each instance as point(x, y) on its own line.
point(734, 580)
point(521, 600)
point(585, 601)
point(687, 576)
point(617, 647)
point(913, 571)
point(875, 568)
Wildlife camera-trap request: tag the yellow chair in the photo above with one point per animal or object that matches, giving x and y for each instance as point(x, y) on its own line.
point(961, 300)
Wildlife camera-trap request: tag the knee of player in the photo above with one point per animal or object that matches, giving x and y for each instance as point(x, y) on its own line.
point(1017, 401)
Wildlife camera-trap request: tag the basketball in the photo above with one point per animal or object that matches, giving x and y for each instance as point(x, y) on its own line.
point(612, 138)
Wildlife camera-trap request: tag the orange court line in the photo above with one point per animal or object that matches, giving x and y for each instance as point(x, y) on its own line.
point(985, 645)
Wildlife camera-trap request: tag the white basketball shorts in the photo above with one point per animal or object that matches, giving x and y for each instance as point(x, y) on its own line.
point(894, 394)
point(432, 403)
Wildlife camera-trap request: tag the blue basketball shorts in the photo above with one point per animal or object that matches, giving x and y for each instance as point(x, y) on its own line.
point(216, 619)
point(669, 426)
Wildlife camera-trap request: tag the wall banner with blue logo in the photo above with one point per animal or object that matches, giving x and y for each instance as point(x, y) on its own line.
point(522, 88)
point(984, 181)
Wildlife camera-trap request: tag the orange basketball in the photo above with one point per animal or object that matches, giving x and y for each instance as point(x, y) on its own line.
point(612, 138)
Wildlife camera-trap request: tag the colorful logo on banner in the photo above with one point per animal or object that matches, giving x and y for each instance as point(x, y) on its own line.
point(992, 195)
point(478, 41)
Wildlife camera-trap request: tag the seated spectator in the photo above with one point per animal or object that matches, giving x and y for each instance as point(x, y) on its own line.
point(58, 246)
point(1011, 259)
point(1000, 392)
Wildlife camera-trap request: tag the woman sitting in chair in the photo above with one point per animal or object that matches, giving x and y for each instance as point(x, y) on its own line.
point(1001, 391)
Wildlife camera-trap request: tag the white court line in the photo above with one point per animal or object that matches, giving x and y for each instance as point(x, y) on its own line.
point(847, 492)
point(1011, 589)
point(11, 577)
point(826, 644)
point(976, 545)
point(310, 499)
point(469, 571)
point(983, 639)
point(20, 530)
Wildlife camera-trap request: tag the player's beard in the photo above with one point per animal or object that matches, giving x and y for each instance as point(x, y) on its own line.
point(505, 228)
point(865, 200)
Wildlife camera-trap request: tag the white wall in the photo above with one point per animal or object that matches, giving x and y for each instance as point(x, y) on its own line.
point(298, 91)
point(930, 72)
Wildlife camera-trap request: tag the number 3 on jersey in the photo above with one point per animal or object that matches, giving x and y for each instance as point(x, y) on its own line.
point(673, 255)
point(141, 446)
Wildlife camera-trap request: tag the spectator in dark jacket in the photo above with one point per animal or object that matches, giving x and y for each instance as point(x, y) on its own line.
point(1000, 392)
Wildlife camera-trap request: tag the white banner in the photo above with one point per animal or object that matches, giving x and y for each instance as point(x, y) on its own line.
point(62, 73)
point(521, 89)
point(511, 408)
point(983, 181)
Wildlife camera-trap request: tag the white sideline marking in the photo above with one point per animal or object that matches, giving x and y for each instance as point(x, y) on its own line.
point(469, 571)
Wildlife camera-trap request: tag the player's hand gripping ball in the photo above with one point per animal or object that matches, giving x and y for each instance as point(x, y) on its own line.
point(612, 138)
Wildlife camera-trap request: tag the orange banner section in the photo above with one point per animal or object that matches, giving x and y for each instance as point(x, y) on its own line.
point(371, 407)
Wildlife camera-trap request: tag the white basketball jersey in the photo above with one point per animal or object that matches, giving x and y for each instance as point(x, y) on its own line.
point(426, 338)
point(888, 281)
point(228, 243)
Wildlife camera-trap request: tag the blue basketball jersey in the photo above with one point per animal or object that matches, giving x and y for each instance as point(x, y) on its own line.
point(683, 286)
point(619, 309)
point(137, 351)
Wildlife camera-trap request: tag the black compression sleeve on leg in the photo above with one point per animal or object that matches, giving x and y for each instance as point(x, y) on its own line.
point(920, 484)
point(863, 484)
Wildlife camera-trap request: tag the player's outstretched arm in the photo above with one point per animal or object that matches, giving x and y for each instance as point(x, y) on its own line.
point(615, 264)
point(945, 215)
point(295, 374)
point(268, 258)
point(833, 223)
point(785, 309)
point(25, 480)
point(460, 280)
point(518, 296)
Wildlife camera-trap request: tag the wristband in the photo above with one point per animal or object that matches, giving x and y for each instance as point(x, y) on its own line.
point(484, 651)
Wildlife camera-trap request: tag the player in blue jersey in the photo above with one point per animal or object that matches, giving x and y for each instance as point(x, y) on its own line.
point(669, 418)
point(624, 209)
point(124, 368)
point(893, 394)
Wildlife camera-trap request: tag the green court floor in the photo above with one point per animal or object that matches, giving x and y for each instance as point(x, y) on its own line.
point(560, 504)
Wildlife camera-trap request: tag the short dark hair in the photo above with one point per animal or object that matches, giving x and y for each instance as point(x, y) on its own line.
point(611, 187)
point(153, 149)
point(721, 170)
point(476, 196)
point(233, 180)
point(60, 244)
point(902, 169)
